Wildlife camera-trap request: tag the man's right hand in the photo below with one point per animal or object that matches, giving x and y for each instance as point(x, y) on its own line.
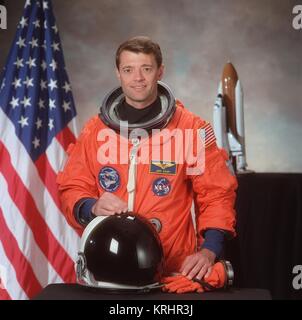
point(109, 204)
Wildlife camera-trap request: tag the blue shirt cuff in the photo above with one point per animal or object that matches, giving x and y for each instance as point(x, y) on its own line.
point(214, 241)
point(83, 210)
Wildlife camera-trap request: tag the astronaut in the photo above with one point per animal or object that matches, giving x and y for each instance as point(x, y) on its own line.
point(163, 193)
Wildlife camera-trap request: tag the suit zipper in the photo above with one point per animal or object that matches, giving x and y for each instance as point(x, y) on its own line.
point(131, 185)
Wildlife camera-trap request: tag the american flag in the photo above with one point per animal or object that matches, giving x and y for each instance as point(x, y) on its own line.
point(37, 123)
point(207, 134)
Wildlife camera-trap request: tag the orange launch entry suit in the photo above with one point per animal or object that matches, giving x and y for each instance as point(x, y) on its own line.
point(163, 190)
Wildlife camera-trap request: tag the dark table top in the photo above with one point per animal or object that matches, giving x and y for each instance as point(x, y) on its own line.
point(78, 292)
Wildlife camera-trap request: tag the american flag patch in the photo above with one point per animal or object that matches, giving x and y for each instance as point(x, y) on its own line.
point(207, 135)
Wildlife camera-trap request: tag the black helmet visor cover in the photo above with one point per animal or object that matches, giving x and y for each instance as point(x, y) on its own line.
point(120, 253)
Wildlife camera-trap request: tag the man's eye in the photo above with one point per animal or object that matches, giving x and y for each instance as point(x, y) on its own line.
point(126, 70)
point(148, 69)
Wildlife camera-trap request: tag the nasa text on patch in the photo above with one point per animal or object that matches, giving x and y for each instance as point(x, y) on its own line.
point(161, 187)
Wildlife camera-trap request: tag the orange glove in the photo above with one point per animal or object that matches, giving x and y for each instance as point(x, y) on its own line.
point(218, 277)
point(181, 284)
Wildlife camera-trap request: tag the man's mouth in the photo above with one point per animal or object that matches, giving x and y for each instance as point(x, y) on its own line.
point(138, 87)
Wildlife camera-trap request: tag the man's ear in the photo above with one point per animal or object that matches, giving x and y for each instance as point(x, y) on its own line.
point(117, 72)
point(161, 72)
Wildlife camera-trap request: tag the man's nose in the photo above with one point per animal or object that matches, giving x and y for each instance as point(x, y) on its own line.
point(138, 75)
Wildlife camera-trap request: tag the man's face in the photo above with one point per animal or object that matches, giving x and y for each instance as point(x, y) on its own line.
point(138, 74)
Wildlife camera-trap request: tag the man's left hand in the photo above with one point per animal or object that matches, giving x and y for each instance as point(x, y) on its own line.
point(198, 265)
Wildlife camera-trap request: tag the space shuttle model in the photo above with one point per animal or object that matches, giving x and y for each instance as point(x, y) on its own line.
point(228, 119)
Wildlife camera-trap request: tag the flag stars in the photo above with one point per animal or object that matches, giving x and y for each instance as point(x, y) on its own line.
point(36, 143)
point(66, 106)
point(55, 46)
point(38, 123)
point(55, 28)
point(19, 63)
point(44, 65)
point(21, 42)
point(34, 43)
point(14, 102)
point(51, 124)
point(31, 62)
point(23, 22)
point(26, 102)
point(43, 84)
point(41, 104)
point(54, 65)
point(52, 104)
point(45, 5)
point(29, 82)
point(37, 23)
point(23, 121)
point(37, 92)
point(2, 84)
point(27, 3)
point(17, 83)
point(67, 87)
point(53, 84)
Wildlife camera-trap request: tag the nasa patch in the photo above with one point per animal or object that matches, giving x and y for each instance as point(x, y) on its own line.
point(109, 179)
point(161, 187)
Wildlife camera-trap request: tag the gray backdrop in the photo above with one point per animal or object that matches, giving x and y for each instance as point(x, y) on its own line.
point(197, 38)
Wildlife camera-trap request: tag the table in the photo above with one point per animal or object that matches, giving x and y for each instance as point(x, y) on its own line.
point(78, 292)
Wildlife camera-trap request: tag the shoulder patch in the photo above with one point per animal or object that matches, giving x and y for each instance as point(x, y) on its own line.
point(207, 135)
point(109, 179)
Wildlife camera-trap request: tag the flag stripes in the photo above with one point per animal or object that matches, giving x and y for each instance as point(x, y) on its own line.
point(29, 284)
point(29, 247)
point(37, 123)
point(25, 203)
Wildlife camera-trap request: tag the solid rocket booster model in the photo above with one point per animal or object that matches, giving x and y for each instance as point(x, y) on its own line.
point(228, 118)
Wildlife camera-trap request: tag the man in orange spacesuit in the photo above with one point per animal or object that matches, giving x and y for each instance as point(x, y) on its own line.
point(113, 167)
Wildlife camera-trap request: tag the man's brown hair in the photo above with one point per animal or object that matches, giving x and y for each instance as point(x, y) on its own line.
point(140, 44)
